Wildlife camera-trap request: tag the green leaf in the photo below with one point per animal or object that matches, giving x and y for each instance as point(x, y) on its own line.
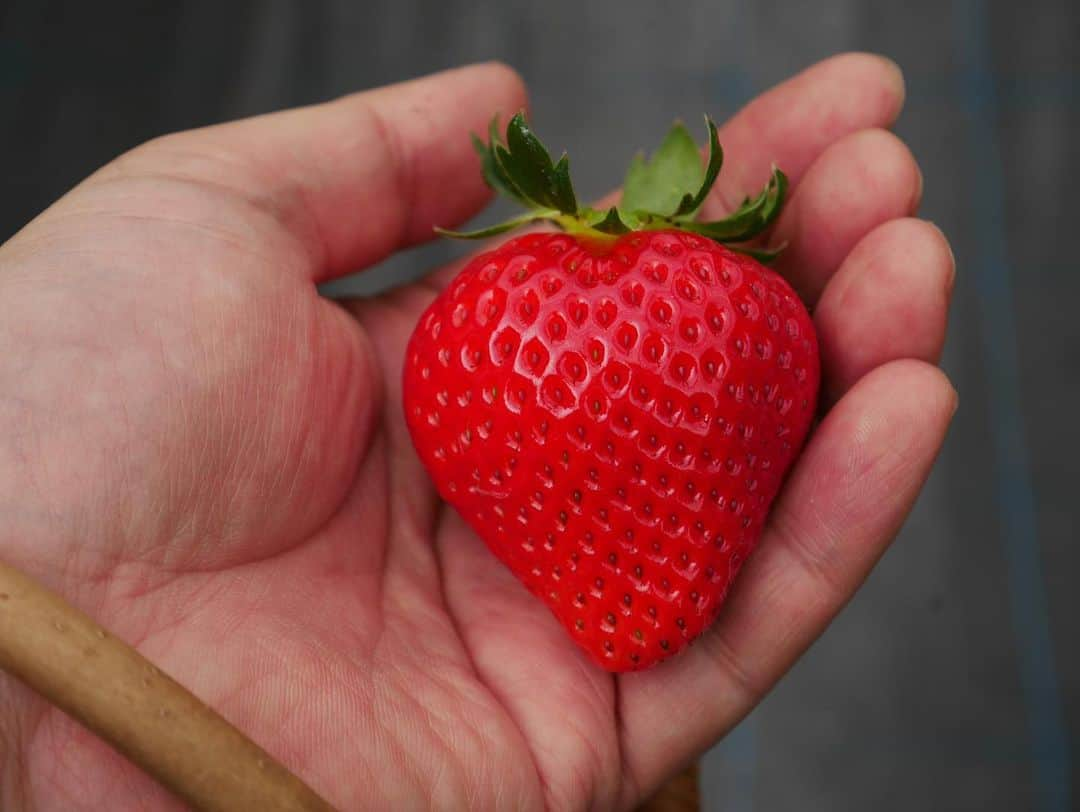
point(751, 218)
point(611, 223)
point(766, 256)
point(633, 220)
point(526, 167)
point(564, 190)
point(526, 161)
point(673, 171)
point(664, 191)
point(500, 228)
point(493, 174)
point(692, 202)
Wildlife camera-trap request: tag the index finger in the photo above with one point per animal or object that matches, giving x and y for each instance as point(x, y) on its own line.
point(354, 179)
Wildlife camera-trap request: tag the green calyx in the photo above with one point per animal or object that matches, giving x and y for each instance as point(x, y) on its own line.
point(663, 192)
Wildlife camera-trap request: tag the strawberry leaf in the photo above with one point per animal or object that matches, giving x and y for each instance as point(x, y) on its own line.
point(526, 165)
point(664, 191)
point(751, 218)
point(691, 203)
point(611, 223)
point(657, 185)
point(766, 256)
point(564, 189)
point(500, 228)
point(492, 172)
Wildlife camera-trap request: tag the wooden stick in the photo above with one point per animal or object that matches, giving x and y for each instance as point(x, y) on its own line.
point(680, 794)
point(153, 720)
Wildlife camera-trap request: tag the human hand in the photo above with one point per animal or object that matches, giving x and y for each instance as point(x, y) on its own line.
point(211, 460)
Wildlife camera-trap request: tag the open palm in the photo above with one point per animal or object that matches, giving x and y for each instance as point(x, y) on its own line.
point(210, 459)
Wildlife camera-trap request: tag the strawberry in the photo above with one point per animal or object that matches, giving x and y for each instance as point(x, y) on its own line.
point(613, 407)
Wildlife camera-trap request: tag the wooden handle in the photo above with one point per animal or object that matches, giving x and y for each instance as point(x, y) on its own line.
point(105, 684)
point(680, 794)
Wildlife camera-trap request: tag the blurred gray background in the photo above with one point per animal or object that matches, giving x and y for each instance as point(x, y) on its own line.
point(953, 680)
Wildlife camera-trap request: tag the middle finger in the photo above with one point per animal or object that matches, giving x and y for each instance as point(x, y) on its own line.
point(859, 182)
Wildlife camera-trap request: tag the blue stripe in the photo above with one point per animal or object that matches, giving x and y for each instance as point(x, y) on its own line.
point(1016, 499)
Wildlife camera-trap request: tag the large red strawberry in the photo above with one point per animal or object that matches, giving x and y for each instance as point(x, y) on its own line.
point(613, 408)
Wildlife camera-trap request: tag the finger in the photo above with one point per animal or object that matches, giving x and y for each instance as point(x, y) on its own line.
point(354, 179)
point(791, 124)
point(861, 181)
point(841, 506)
point(889, 300)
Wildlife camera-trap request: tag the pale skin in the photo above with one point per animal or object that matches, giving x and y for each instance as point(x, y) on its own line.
point(210, 459)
